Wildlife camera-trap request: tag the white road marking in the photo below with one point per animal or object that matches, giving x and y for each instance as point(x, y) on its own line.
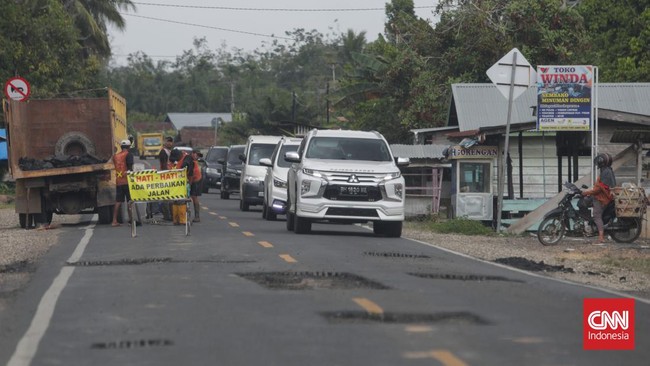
point(28, 344)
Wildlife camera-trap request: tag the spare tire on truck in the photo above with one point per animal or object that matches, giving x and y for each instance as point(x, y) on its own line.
point(74, 143)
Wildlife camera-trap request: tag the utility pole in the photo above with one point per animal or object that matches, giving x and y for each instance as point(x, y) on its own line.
point(293, 111)
point(327, 100)
point(232, 97)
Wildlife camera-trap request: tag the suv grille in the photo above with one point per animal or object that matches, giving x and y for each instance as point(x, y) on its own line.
point(344, 177)
point(348, 211)
point(333, 192)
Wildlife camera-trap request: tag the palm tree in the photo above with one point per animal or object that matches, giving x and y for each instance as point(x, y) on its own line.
point(92, 18)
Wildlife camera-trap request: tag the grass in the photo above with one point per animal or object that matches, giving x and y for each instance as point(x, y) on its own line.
point(8, 188)
point(461, 226)
point(636, 264)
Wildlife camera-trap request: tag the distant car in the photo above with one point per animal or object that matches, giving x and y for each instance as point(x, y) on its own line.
point(251, 187)
point(213, 168)
point(275, 181)
point(231, 167)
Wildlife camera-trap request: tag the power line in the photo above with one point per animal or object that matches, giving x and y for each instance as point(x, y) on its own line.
point(208, 26)
point(271, 9)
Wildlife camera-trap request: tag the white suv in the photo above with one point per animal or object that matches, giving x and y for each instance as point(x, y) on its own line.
point(275, 182)
point(347, 177)
point(251, 185)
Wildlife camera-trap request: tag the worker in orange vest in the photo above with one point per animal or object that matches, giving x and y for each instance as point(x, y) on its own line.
point(181, 160)
point(123, 162)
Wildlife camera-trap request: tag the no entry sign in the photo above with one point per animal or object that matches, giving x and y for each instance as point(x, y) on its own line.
point(17, 88)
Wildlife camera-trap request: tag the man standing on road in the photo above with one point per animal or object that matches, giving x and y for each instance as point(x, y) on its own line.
point(181, 160)
point(163, 158)
point(196, 185)
point(123, 162)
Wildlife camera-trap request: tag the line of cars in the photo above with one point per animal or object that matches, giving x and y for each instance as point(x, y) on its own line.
point(336, 176)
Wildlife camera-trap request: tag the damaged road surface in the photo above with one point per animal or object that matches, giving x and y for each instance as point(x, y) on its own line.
point(241, 290)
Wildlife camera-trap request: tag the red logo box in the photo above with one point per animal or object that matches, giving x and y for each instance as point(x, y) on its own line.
point(608, 324)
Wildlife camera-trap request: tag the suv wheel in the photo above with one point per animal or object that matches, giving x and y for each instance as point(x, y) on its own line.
point(289, 214)
point(264, 210)
point(391, 229)
point(243, 205)
point(301, 225)
point(224, 195)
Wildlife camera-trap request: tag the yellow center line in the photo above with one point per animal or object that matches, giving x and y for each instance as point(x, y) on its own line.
point(223, 217)
point(233, 224)
point(445, 357)
point(265, 244)
point(369, 306)
point(205, 208)
point(247, 233)
point(288, 258)
point(213, 213)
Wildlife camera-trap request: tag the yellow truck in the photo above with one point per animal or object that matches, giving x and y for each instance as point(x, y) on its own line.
point(60, 154)
point(149, 144)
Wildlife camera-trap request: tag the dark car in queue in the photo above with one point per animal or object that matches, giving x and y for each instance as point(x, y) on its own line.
point(232, 167)
point(213, 167)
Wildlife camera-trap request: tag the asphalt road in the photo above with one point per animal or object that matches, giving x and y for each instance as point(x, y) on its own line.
point(241, 290)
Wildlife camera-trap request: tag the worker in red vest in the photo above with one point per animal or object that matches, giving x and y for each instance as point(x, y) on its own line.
point(181, 160)
point(123, 162)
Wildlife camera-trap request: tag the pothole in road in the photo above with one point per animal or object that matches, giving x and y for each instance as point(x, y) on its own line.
point(461, 277)
point(529, 265)
point(131, 344)
point(404, 318)
point(311, 280)
point(16, 267)
point(397, 255)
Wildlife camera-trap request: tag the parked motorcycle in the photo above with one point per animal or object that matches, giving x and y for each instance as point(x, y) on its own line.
point(566, 220)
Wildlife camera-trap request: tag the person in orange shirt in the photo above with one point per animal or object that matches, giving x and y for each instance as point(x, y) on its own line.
point(181, 160)
point(123, 162)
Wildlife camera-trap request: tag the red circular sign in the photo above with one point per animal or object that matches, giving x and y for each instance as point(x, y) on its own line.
point(17, 88)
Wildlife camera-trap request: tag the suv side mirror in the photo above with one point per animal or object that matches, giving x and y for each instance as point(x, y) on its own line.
point(242, 157)
point(266, 162)
point(292, 157)
point(402, 161)
point(221, 161)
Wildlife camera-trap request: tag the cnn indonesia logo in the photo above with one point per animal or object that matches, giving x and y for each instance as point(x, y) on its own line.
point(608, 324)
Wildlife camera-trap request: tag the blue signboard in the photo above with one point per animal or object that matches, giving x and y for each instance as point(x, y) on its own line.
point(3, 144)
point(564, 100)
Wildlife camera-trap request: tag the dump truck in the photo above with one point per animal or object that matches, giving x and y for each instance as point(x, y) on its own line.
point(60, 155)
point(149, 144)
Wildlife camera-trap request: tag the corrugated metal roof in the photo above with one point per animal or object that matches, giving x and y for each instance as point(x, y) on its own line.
point(482, 105)
point(418, 151)
point(181, 120)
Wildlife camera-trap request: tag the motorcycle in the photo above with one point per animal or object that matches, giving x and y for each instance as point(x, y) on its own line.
point(566, 220)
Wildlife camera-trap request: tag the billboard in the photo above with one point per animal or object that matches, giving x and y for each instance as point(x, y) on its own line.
point(564, 98)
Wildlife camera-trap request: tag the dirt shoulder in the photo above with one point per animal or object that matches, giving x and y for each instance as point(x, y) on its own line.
point(619, 267)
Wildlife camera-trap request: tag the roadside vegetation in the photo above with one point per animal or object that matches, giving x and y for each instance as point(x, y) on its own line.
point(641, 264)
point(439, 225)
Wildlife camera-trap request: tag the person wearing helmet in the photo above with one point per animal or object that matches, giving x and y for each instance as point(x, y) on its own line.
point(123, 162)
point(601, 191)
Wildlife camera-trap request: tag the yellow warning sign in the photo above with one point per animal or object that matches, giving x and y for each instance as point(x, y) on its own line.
point(152, 185)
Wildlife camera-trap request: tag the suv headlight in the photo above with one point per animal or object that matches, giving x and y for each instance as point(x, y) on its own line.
point(312, 172)
point(391, 176)
point(251, 179)
point(279, 183)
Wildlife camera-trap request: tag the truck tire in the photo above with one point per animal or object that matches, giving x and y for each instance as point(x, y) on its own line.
point(105, 214)
point(74, 143)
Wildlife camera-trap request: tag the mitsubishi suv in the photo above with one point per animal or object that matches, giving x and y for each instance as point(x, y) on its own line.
point(231, 168)
point(275, 181)
point(251, 186)
point(345, 177)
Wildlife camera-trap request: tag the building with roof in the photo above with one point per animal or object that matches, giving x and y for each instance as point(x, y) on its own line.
point(541, 161)
point(197, 129)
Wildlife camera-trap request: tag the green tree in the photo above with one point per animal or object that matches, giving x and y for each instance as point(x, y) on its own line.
point(48, 55)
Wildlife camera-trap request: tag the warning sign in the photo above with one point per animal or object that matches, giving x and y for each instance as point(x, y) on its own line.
point(152, 185)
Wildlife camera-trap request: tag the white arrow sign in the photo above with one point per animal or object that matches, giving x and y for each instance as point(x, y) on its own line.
point(501, 73)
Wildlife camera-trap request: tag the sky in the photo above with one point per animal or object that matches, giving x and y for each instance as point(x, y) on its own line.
point(164, 29)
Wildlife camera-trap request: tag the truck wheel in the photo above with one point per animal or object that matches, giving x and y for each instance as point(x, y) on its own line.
point(74, 143)
point(105, 214)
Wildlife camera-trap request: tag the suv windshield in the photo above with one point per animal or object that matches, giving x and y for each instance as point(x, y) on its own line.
point(345, 148)
point(259, 151)
point(233, 155)
point(215, 154)
point(285, 148)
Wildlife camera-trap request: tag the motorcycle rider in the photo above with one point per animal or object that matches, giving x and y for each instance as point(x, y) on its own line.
point(601, 191)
